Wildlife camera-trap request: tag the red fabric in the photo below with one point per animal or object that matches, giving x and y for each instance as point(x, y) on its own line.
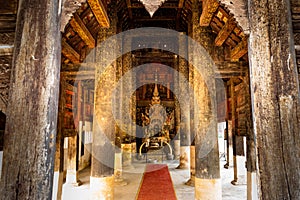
point(156, 184)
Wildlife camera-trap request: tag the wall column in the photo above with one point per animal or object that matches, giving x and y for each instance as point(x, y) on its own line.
point(31, 124)
point(275, 99)
point(207, 169)
point(103, 147)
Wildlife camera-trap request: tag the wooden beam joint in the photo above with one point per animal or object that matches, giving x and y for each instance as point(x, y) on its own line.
point(225, 32)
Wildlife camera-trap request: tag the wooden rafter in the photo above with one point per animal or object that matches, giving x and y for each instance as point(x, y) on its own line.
point(129, 10)
point(69, 52)
point(179, 10)
point(128, 2)
point(240, 49)
point(99, 12)
point(209, 7)
point(78, 26)
point(225, 32)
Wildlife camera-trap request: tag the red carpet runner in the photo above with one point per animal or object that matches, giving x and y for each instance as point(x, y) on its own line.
point(156, 184)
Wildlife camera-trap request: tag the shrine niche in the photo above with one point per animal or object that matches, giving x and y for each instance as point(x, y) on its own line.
point(156, 116)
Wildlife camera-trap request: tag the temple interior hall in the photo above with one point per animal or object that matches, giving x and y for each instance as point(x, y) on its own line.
point(150, 99)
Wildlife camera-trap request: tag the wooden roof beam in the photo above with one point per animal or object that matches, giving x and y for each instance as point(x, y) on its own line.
point(209, 7)
point(99, 12)
point(128, 2)
point(240, 50)
point(225, 32)
point(226, 67)
point(81, 77)
point(69, 52)
point(179, 10)
point(82, 31)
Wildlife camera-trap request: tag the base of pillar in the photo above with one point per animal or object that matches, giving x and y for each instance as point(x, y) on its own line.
point(57, 185)
point(102, 188)
point(120, 181)
point(234, 182)
point(184, 160)
point(238, 182)
point(191, 181)
point(202, 186)
point(176, 149)
point(72, 179)
point(226, 166)
point(76, 184)
point(252, 193)
point(128, 168)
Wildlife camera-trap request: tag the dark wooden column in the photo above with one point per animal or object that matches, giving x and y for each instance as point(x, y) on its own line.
point(128, 108)
point(73, 143)
point(175, 142)
point(229, 142)
point(233, 129)
point(103, 148)
point(31, 122)
point(250, 151)
point(238, 141)
point(183, 91)
point(275, 99)
point(207, 171)
point(59, 153)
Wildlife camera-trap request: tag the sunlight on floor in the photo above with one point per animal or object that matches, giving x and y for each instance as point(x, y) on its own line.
point(133, 175)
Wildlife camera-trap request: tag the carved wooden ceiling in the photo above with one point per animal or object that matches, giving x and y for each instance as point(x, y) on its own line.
point(80, 33)
point(82, 20)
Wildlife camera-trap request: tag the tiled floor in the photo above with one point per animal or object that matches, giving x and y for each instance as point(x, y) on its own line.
point(133, 175)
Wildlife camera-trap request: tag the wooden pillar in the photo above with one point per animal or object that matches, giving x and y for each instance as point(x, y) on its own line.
point(207, 172)
point(177, 115)
point(233, 129)
point(191, 181)
point(72, 164)
point(128, 103)
point(30, 135)
point(73, 143)
point(59, 153)
point(275, 99)
point(238, 141)
point(185, 134)
point(118, 166)
point(229, 142)
point(103, 148)
point(252, 193)
point(176, 141)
